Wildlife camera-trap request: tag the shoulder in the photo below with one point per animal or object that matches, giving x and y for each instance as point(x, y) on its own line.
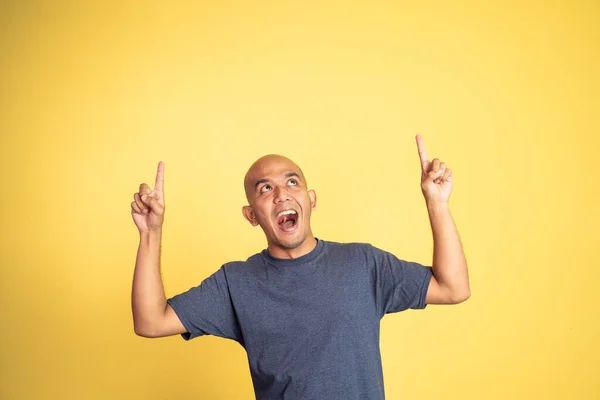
point(349, 250)
point(243, 267)
point(363, 251)
point(345, 245)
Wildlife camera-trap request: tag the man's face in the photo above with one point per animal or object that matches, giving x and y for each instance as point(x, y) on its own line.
point(280, 203)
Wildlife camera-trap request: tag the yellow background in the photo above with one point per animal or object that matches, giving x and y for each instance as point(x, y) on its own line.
point(93, 95)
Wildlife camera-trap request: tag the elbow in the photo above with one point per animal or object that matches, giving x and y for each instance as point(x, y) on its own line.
point(145, 334)
point(143, 331)
point(140, 332)
point(461, 297)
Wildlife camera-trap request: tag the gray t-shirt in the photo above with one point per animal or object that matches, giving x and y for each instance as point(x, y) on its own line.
point(310, 325)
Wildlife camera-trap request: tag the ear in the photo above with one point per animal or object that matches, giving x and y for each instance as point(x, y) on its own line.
point(313, 199)
point(249, 215)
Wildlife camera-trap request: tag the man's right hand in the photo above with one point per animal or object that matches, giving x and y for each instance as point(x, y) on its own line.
point(148, 209)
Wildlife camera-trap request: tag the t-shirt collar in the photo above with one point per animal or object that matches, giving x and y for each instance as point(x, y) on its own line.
point(283, 262)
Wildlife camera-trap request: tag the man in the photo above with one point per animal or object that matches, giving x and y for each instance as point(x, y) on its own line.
point(306, 310)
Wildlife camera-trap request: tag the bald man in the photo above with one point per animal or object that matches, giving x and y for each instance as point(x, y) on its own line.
point(306, 310)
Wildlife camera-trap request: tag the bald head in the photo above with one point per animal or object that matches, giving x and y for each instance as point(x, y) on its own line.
point(261, 169)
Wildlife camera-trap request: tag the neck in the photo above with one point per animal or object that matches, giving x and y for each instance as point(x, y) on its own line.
point(306, 247)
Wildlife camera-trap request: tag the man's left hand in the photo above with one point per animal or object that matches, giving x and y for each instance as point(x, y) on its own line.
point(436, 177)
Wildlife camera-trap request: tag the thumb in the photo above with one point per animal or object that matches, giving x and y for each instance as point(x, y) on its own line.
point(152, 202)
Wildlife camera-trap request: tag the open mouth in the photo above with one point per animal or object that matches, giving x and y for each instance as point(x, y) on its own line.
point(287, 220)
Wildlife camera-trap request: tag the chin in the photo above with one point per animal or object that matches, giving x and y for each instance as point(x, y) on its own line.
point(291, 244)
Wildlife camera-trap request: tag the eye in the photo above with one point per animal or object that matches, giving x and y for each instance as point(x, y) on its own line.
point(265, 188)
point(292, 182)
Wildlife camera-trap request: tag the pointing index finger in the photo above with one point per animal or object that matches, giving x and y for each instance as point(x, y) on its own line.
point(160, 176)
point(422, 152)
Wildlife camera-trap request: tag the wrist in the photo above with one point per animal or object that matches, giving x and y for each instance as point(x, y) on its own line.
point(151, 234)
point(437, 206)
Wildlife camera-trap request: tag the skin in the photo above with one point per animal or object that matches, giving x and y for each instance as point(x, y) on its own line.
point(275, 183)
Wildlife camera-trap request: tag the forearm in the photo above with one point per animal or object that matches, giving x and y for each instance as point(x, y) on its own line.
point(449, 262)
point(148, 301)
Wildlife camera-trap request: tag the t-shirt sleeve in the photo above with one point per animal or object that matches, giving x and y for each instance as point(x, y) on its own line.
point(400, 284)
point(207, 309)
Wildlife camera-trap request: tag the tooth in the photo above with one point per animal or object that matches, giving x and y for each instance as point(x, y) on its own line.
point(286, 212)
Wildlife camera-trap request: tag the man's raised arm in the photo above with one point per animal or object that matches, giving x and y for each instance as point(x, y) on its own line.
point(152, 316)
point(450, 281)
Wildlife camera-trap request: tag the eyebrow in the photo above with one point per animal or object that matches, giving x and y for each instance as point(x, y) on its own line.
point(288, 175)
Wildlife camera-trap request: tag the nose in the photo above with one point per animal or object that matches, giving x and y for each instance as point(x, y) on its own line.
point(281, 194)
